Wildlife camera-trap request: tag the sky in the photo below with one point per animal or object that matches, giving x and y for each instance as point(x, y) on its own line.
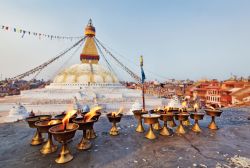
point(181, 39)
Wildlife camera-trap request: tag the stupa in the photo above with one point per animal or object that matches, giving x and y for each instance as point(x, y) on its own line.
point(89, 82)
point(89, 73)
point(17, 112)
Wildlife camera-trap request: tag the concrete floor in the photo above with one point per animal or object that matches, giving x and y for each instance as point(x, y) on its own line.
point(131, 149)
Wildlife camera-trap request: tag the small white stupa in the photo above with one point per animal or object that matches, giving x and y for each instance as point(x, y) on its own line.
point(16, 113)
point(174, 102)
point(136, 106)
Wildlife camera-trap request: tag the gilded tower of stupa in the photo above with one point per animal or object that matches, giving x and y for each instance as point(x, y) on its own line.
point(89, 71)
point(89, 52)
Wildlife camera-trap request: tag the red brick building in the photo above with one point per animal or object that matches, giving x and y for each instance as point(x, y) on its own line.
point(242, 96)
point(214, 92)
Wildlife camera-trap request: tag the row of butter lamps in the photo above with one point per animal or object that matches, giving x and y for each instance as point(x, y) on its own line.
point(169, 115)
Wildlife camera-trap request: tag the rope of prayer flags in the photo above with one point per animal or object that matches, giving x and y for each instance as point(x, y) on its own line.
point(40, 35)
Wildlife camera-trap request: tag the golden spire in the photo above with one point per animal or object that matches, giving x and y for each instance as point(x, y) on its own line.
point(89, 53)
point(90, 29)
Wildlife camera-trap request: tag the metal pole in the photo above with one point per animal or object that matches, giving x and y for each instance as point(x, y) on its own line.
point(143, 97)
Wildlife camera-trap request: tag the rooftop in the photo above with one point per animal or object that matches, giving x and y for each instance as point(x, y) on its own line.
point(131, 149)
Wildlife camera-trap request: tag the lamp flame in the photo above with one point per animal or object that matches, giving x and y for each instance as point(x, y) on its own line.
point(51, 122)
point(65, 119)
point(166, 108)
point(91, 114)
point(113, 114)
point(117, 113)
point(158, 109)
point(196, 107)
point(184, 104)
point(181, 110)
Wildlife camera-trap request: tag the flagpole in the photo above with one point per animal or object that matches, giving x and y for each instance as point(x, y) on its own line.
point(143, 97)
point(142, 82)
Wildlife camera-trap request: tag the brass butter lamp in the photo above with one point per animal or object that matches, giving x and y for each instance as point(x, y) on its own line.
point(84, 126)
point(166, 117)
point(138, 115)
point(186, 122)
point(181, 117)
point(37, 138)
point(114, 119)
point(157, 125)
point(184, 110)
point(196, 116)
point(63, 135)
point(43, 127)
point(150, 119)
point(213, 113)
point(90, 134)
point(172, 123)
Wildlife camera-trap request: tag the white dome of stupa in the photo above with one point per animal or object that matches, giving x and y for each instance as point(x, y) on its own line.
point(84, 74)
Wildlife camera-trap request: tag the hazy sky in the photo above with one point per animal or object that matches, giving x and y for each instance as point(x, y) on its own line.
point(178, 38)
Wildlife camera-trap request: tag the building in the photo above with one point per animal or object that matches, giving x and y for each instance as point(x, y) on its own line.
point(213, 95)
point(241, 96)
point(216, 93)
point(230, 84)
point(198, 90)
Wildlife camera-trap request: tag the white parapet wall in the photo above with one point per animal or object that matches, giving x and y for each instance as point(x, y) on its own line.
point(87, 93)
point(83, 85)
point(54, 99)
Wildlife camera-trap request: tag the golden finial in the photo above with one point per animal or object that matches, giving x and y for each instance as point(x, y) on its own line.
point(90, 22)
point(90, 29)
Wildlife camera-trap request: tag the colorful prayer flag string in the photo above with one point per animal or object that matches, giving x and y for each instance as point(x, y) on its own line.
point(40, 35)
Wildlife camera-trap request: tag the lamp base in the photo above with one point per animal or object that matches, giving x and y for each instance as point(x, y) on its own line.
point(196, 127)
point(114, 131)
point(139, 127)
point(64, 155)
point(91, 134)
point(165, 131)
point(48, 147)
point(37, 139)
point(180, 129)
point(213, 125)
point(150, 134)
point(84, 144)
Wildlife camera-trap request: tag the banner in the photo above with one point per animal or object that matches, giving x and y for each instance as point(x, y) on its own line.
point(143, 77)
